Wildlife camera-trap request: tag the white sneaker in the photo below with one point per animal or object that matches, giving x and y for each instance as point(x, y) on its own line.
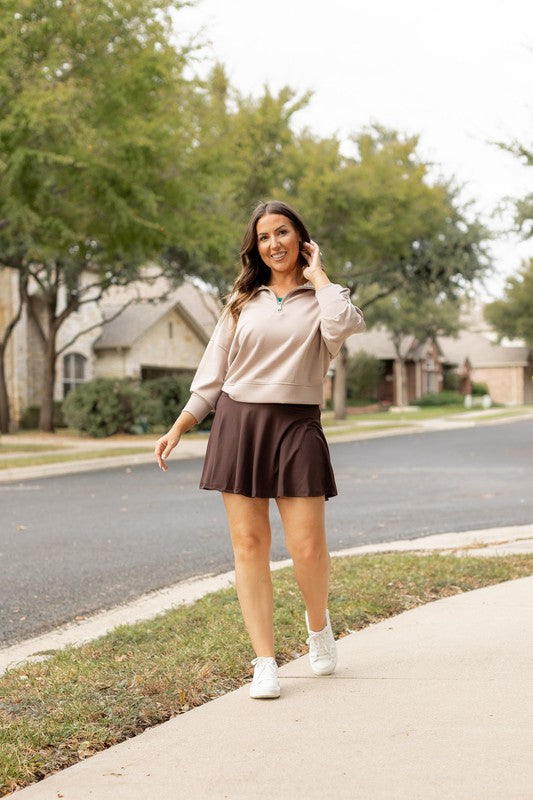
point(265, 682)
point(322, 648)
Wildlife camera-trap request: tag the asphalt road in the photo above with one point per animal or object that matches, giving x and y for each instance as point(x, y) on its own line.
point(75, 544)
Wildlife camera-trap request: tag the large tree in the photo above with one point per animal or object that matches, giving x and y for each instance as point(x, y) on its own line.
point(523, 206)
point(95, 130)
point(512, 316)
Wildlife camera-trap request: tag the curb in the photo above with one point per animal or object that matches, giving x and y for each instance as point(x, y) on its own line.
point(487, 542)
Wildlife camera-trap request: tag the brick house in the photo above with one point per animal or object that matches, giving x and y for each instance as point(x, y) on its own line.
point(475, 355)
point(422, 364)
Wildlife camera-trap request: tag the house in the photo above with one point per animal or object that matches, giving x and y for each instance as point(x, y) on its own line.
point(475, 355)
point(422, 365)
point(129, 333)
point(506, 368)
point(152, 339)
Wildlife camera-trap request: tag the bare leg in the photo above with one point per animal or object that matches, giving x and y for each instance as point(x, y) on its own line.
point(250, 535)
point(305, 535)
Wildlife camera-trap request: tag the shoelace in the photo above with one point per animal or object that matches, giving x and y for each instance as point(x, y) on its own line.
point(263, 665)
point(318, 643)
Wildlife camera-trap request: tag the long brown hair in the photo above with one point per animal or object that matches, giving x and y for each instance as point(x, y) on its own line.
point(254, 272)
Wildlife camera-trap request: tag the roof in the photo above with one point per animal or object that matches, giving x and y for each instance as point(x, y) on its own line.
point(378, 342)
point(481, 351)
point(479, 347)
point(199, 308)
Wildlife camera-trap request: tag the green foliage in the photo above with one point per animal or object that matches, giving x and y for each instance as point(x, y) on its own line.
point(170, 395)
point(512, 315)
point(451, 381)
point(440, 399)
point(30, 417)
point(363, 373)
point(104, 406)
point(480, 389)
point(408, 314)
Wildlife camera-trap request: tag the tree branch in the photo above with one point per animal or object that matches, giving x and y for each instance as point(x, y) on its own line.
point(99, 324)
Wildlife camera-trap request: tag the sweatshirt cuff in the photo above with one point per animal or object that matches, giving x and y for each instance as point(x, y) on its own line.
point(198, 407)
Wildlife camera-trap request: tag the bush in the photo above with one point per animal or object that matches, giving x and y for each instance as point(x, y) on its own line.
point(479, 389)
point(30, 417)
point(363, 374)
point(105, 406)
point(169, 395)
point(441, 399)
point(451, 381)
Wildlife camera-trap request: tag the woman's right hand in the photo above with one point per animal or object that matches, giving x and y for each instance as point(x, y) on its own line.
point(164, 446)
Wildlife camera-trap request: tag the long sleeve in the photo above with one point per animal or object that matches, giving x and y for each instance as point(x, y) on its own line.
point(339, 318)
point(207, 382)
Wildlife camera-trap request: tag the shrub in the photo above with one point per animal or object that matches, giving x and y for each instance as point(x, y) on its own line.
point(30, 417)
point(105, 406)
point(169, 395)
point(451, 381)
point(480, 389)
point(363, 374)
point(441, 399)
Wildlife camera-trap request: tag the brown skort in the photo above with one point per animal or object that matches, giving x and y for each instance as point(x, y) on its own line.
point(268, 450)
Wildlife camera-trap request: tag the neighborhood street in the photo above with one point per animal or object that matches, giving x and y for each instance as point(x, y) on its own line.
point(74, 544)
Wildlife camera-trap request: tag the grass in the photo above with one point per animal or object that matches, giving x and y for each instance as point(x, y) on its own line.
point(82, 700)
point(28, 448)
point(351, 429)
point(82, 455)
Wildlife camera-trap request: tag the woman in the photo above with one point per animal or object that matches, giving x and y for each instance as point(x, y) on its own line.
point(263, 373)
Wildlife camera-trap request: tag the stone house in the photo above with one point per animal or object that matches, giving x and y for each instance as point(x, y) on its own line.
point(149, 338)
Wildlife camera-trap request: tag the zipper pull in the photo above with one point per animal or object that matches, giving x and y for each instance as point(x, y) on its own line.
point(280, 301)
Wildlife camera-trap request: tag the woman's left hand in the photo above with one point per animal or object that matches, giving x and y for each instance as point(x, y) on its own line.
point(313, 271)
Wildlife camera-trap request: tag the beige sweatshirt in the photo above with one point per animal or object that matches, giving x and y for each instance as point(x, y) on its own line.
point(279, 352)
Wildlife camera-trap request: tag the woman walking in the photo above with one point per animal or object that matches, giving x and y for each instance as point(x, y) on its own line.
point(262, 372)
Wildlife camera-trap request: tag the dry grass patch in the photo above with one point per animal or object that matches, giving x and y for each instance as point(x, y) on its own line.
point(82, 700)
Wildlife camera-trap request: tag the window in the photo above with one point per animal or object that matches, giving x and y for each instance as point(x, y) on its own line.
point(73, 371)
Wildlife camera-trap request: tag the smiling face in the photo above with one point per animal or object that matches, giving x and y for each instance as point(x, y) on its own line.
point(278, 243)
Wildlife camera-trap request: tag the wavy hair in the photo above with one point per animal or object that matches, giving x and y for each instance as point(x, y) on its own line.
point(254, 272)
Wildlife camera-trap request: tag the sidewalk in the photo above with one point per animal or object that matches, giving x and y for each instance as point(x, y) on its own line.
point(434, 703)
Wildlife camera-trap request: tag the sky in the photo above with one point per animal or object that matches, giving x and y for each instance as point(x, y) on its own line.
point(459, 74)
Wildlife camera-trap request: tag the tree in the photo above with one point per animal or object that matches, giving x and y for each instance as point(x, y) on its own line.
point(512, 315)
point(95, 130)
point(523, 217)
point(384, 227)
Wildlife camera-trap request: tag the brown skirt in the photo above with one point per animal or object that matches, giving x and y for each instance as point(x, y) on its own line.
point(268, 450)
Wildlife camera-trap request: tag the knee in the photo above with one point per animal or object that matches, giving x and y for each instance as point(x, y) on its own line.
point(310, 553)
point(250, 545)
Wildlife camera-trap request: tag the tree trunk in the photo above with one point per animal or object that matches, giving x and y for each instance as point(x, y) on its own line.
point(46, 416)
point(4, 399)
point(339, 385)
point(5, 417)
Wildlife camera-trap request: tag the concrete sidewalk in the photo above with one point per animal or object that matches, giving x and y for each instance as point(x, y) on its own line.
point(434, 703)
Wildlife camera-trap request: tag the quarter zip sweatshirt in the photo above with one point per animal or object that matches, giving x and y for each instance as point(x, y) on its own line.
point(279, 351)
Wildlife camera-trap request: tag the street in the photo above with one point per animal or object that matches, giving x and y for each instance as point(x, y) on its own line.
point(72, 545)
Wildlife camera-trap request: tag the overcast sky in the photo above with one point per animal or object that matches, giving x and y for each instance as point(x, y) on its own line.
point(458, 73)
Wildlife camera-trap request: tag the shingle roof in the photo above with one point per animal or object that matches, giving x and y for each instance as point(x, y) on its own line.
point(477, 346)
point(481, 351)
point(378, 342)
point(200, 309)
